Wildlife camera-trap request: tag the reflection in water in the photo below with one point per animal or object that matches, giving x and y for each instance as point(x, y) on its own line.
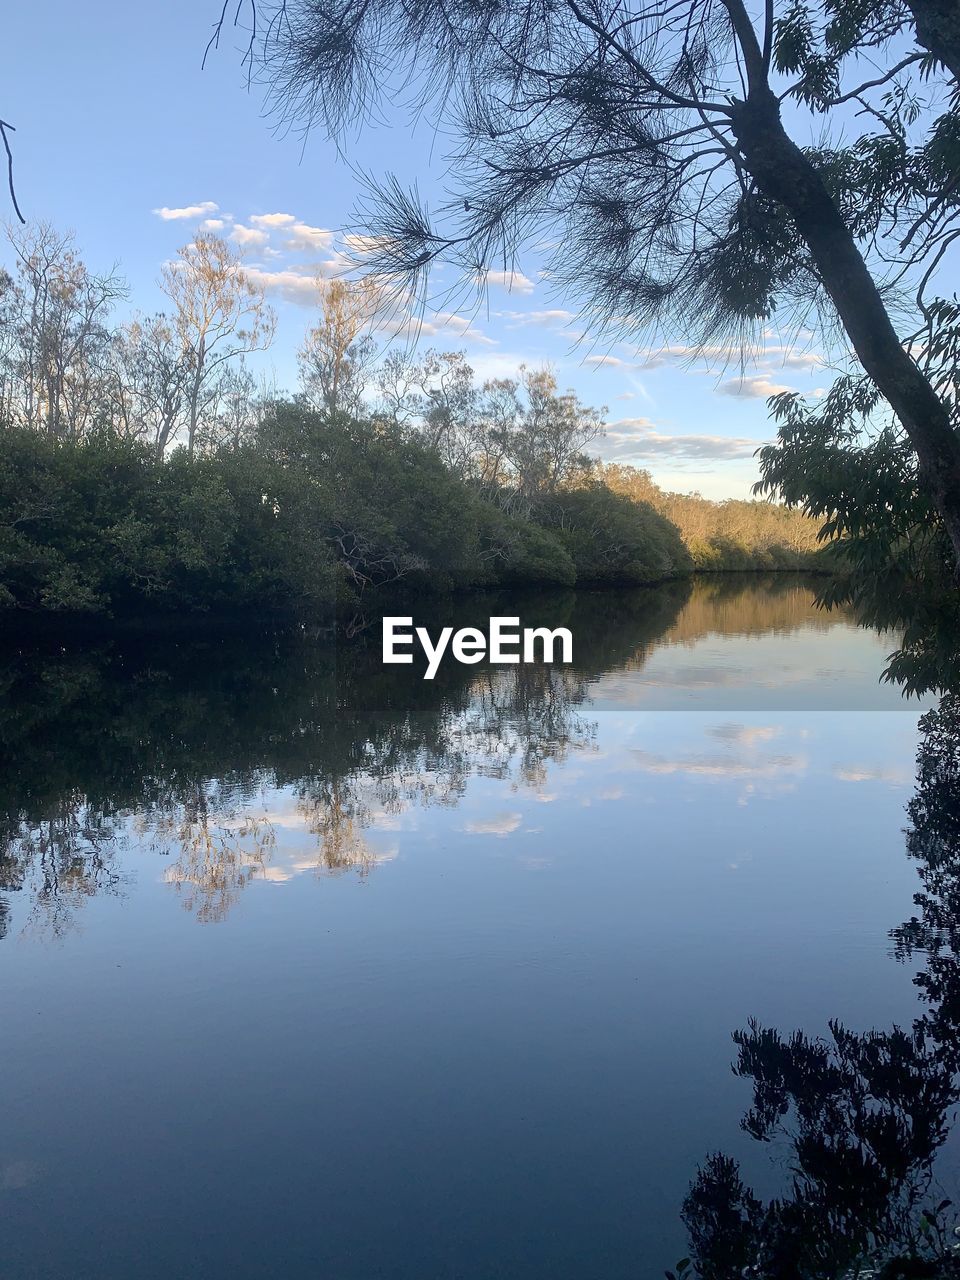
point(434, 1033)
point(864, 1115)
point(200, 738)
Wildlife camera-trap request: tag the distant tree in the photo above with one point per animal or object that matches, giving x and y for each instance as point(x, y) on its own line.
point(545, 447)
point(152, 377)
point(724, 535)
point(236, 411)
point(648, 142)
point(220, 312)
point(336, 355)
point(517, 438)
point(435, 392)
point(56, 343)
point(859, 1117)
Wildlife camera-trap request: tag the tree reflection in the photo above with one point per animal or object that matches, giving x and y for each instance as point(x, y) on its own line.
point(920, 617)
point(177, 749)
point(864, 1115)
point(62, 860)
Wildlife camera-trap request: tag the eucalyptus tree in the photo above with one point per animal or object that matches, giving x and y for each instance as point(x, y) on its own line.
point(151, 380)
point(337, 352)
point(219, 313)
point(55, 347)
point(664, 149)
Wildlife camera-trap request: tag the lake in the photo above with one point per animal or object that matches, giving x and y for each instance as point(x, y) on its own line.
point(316, 969)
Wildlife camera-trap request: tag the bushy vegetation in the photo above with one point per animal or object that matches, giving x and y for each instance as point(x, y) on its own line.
point(143, 471)
point(728, 535)
point(313, 510)
point(103, 525)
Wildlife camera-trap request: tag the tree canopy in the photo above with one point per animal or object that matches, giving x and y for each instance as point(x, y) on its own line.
point(676, 155)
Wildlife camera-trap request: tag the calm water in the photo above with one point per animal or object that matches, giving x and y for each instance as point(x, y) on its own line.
point(313, 969)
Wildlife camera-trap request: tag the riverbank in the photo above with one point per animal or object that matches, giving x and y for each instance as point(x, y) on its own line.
point(353, 618)
point(318, 512)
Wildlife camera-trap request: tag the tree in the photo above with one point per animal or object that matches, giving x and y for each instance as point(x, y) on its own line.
point(436, 394)
point(862, 1117)
point(152, 378)
point(651, 140)
point(336, 354)
point(57, 344)
point(219, 313)
point(517, 439)
point(546, 445)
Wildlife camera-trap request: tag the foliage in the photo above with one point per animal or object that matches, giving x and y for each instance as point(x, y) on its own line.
point(645, 149)
point(864, 1115)
point(336, 353)
point(102, 525)
point(124, 724)
point(313, 509)
point(731, 534)
point(219, 312)
point(613, 539)
point(439, 484)
point(845, 462)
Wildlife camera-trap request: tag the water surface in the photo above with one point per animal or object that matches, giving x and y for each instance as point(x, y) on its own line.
point(312, 968)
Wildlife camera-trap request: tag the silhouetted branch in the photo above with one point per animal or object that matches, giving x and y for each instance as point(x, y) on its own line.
point(4, 126)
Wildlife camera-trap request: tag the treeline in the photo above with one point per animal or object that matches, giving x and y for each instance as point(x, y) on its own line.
point(727, 535)
point(311, 512)
point(143, 469)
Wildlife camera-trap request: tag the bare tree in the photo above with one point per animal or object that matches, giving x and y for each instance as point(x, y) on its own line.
point(436, 393)
point(220, 312)
point(337, 353)
point(545, 445)
point(517, 438)
point(57, 345)
point(649, 141)
point(151, 381)
point(235, 414)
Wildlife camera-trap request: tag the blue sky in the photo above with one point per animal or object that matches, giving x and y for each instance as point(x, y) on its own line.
point(116, 121)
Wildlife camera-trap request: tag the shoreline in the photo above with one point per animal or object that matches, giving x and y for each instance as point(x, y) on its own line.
point(339, 621)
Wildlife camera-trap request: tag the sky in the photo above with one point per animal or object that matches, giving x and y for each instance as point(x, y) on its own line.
point(122, 138)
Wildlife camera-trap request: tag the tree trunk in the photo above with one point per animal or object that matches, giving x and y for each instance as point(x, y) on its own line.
point(938, 29)
point(783, 173)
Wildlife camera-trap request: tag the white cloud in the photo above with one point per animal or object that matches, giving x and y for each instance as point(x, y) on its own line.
point(712, 768)
point(303, 236)
point(553, 317)
point(188, 211)
point(757, 388)
point(678, 353)
point(635, 438)
point(501, 824)
point(802, 360)
point(212, 224)
point(292, 286)
point(858, 773)
point(761, 359)
point(512, 281)
point(267, 221)
point(248, 236)
point(608, 362)
point(365, 244)
point(439, 325)
point(745, 735)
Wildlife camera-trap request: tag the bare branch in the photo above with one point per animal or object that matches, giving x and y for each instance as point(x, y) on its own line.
point(4, 127)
